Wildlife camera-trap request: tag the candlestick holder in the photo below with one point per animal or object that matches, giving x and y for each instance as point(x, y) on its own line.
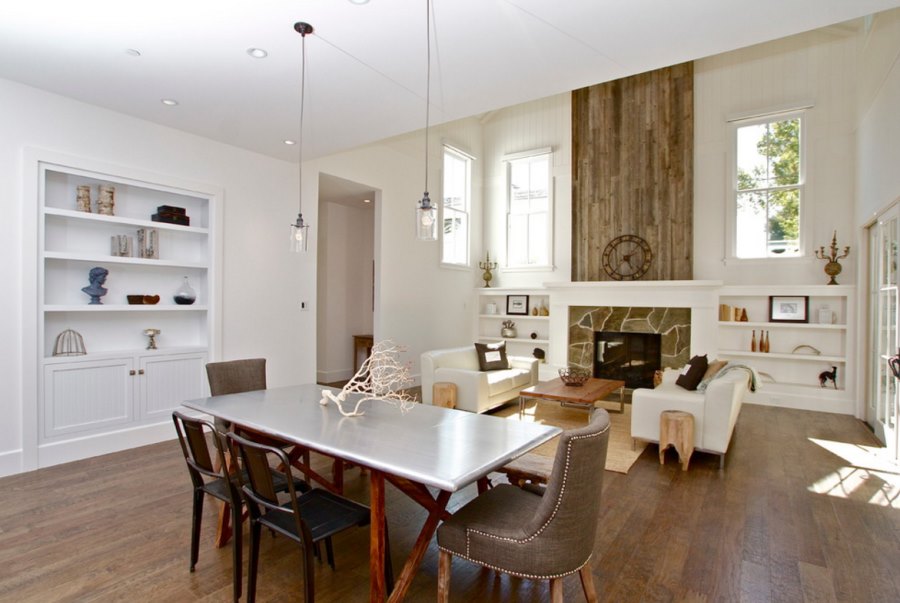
point(152, 333)
point(833, 267)
point(487, 266)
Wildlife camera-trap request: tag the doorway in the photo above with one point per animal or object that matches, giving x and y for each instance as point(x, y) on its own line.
point(884, 315)
point(346, 271)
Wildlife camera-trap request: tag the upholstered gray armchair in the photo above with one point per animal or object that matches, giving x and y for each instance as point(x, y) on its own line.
point(539, 536)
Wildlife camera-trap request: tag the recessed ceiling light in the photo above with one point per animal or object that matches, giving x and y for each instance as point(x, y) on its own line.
point(169, 102)
point(257, 53)
point(132, 52)
point(359, 1)
point(367, 200)
point(288, 141)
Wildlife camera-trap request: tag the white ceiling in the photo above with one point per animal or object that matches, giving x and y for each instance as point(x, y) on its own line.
point(366, 63)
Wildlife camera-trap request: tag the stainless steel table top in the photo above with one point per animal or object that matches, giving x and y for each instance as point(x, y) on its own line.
point(439, 447)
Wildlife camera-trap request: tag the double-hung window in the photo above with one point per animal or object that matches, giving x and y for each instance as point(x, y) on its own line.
point(457, 187)
point(768, 187)
point(529, 210)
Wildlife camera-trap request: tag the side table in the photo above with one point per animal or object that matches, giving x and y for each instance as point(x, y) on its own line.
point(676, 428)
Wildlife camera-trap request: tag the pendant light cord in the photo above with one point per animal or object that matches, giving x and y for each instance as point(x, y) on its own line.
point(300, 140)
point(427, 83)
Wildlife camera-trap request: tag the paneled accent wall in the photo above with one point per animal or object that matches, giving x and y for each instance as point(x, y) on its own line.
point(632, 171)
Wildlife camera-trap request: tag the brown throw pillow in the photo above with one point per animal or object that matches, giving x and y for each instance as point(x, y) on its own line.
point(714, 367)
point(693, 373)
point(492, 356)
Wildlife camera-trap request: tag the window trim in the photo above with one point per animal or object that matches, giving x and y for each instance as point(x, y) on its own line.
point(508, 160)
point(469, 159)
point(755, 118)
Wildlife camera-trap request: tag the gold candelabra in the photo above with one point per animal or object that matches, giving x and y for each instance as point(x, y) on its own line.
point(487, 265)
point(833, 268)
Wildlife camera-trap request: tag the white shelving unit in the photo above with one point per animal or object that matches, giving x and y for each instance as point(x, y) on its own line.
point(118, 394)
point(790, 370)
point(489, 324)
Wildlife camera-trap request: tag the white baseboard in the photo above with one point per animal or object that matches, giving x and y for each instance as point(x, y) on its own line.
point(95, 445)
point(10, 462)
point(332, 376)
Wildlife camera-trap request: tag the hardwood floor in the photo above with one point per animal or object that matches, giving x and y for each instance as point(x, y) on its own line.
point(116, 528)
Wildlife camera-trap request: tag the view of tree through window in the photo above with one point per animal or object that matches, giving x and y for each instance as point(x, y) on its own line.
point(768, 189)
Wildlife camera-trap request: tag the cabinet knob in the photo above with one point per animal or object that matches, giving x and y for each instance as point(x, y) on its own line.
point(131, 372)
point(141, 372)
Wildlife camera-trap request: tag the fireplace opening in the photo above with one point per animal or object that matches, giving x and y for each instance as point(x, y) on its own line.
point(629, 357)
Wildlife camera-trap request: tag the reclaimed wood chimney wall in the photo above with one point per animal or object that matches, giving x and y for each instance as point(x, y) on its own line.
point(633, 164)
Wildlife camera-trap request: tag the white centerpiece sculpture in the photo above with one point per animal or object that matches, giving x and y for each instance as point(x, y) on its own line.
point(381, 377)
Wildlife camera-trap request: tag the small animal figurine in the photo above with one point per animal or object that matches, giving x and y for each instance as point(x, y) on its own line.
point(824, 376)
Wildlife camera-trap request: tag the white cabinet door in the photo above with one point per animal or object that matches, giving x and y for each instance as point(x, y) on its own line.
point(167, 380)
point(87, 396)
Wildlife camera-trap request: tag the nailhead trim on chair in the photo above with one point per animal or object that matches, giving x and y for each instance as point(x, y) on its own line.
point(539, 530)
point(519, 574)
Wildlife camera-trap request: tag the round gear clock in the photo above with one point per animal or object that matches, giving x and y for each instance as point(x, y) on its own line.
point(627, 258)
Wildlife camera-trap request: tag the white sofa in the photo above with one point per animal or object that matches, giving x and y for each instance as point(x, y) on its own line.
point(476, 390)
point(715, 411)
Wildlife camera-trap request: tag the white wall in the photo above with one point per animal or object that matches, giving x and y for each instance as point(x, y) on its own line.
point(262, 282)
point(815, 68)
point(546, 122)
point(418, 304)
point(345, 291)
point(878, 182)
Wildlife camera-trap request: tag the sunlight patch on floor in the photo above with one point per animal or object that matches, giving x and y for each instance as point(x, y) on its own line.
point(870, 476)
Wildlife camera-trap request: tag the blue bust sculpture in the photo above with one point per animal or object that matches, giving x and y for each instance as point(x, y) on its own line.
point(97, 277)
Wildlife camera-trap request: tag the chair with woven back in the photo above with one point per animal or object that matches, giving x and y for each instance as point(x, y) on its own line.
point(209, 477)
point(306, 518)
point(249, 374)
point(541, 533)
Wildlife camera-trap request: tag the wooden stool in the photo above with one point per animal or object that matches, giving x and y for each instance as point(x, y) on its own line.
point(530, 467)
point(444, 394)
point(676, 428)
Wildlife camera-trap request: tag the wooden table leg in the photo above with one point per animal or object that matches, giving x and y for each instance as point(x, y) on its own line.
point(418, 553)
point(377, 586)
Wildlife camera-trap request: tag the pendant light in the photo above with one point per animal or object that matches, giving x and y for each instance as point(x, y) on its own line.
point(300, 229)
point(426, 212)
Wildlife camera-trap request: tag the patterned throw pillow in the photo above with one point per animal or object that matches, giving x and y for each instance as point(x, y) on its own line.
point(492, 356)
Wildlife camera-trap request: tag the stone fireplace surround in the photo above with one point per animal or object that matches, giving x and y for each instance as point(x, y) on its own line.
point(685, 310)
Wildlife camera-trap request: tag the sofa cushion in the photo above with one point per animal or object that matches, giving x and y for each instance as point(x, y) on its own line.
point(492, 356)
point(693, 373)
point(501, 381)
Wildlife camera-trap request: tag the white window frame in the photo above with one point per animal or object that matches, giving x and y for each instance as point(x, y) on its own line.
point(805, 203)
point(510, 160)
point(466, 212)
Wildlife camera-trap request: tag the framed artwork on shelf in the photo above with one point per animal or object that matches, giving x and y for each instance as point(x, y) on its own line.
point(517, 304)
point(788, 308)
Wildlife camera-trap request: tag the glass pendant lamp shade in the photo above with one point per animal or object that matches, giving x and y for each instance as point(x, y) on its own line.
point(426, 219)
point(299, 235)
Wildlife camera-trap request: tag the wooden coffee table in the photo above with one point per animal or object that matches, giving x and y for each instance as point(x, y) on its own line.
point(569, 395)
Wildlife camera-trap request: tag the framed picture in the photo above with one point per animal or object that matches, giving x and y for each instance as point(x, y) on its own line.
point(517, 304)
point(788, 308)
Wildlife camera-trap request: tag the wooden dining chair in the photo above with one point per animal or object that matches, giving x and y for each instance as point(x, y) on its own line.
point(306, 518)
point(541, 533)
point(212, 478)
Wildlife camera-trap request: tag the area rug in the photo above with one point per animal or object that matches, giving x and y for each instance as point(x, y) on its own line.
point(620, 455)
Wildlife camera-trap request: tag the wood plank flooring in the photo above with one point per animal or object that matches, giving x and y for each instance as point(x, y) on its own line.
point(116, 528)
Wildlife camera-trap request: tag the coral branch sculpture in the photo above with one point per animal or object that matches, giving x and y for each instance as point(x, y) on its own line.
point(381, 377)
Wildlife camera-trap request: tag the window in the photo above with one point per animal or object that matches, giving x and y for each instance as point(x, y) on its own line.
point(457, 188)
point(768, 188)
point(528, 218)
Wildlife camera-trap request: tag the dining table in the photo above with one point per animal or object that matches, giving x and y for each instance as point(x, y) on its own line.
point(415, 447)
